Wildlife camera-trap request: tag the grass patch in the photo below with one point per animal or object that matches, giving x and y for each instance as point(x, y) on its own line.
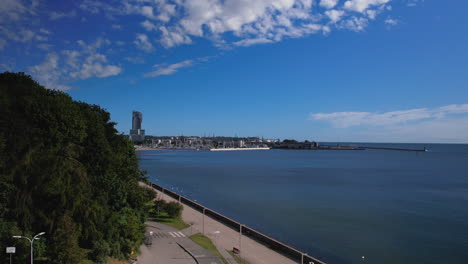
point(206, 243)
point(117, 261)
point(174, 222)
point(237, 258)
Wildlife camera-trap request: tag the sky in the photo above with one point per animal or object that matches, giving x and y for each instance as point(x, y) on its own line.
point(324, 70)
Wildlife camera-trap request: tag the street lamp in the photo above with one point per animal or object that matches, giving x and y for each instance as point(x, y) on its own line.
point(31, 240)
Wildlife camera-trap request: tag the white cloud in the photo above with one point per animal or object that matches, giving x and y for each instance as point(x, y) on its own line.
point(100, 42)
point(328, 3)
point(93, 7)
point(453, 109)
point(135, 60)
point(15, 22)
point(169, 69)
point(334, 15)
point(143, 43)
point(48, 73)
point(392, 22)
point(94, 66)
point(173, 37)
point(41, 38)
point(147, 11)
point(148, 25)
point(12, 10)
point(255, 22)
point(349, 119)
point(446, 124)
point(354, 23)
point(71, 65)
point(58, 15)
point(238, 22)
point(363, 5)
point(413, 3)
point(249, 42)
point(45, 31)
point(451, 130)
point(166, 11)
point(26, 35)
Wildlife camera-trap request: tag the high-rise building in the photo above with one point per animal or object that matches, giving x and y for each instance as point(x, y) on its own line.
point(137, 119)
point(136, 133)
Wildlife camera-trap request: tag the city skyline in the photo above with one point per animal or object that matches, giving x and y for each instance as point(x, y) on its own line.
point(325, 70)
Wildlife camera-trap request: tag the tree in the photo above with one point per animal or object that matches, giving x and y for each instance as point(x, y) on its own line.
point(65, 170)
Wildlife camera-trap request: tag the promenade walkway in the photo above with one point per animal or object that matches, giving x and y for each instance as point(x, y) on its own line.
point(226, 238)
point(172, 246)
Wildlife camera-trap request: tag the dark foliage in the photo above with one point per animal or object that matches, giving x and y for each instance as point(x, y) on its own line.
point(173, 209)
point(65, 170)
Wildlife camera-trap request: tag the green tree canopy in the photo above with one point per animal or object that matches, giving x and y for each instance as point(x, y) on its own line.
point(65, 170)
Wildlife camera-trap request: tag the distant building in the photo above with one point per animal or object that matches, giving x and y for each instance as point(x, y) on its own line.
point(137, 119)
point(136, 133)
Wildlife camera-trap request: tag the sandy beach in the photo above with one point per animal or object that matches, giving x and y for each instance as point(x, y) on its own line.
point(226, 238)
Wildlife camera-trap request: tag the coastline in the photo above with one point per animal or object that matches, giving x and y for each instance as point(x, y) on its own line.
point(237, 149)
point(227, 238)
point(145, 148)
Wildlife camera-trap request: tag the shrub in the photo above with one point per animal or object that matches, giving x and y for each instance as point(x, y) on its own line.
point(159, 206)
point(173, 209)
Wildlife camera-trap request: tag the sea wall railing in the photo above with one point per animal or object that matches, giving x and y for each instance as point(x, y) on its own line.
point(244, 230)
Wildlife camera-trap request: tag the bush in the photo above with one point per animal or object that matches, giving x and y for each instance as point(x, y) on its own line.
point(159, 206)
point(173, 209)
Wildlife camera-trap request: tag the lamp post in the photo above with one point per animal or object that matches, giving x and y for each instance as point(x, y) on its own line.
point(31, 240)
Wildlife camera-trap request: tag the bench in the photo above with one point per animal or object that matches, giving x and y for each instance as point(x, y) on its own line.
point(235, 250)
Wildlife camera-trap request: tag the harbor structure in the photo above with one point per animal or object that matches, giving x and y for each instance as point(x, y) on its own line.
point(136, 133)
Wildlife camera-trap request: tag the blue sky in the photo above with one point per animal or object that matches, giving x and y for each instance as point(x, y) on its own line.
point(326, 70)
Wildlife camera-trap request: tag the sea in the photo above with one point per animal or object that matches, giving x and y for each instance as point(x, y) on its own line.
point(340, 206)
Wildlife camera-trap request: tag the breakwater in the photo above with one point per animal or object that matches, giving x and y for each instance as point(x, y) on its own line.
point(397, 149)
point(279, 247)
point(339, 147)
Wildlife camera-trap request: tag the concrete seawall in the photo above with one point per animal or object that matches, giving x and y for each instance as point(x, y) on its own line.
point(237, 149)
point(283, 250)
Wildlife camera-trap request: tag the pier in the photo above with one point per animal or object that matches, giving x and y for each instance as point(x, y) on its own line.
point(338, 147)
point(397, 149)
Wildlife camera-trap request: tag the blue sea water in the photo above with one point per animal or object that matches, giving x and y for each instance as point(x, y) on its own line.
point(389, 206)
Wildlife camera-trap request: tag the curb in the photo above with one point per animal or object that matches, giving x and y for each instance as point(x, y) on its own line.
point(188, 251)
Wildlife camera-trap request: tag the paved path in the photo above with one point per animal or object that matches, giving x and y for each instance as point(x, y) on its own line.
point(227, 238)
point(226, 255)
point(172, 246)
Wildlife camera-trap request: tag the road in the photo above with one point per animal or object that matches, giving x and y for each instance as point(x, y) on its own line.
point(172, 246)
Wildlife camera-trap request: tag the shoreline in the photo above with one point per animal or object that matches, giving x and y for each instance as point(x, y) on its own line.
point(237, 149)
point(228, 238)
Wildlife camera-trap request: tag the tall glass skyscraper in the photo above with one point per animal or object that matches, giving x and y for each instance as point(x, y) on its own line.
point(136, 133)
point(137, 120)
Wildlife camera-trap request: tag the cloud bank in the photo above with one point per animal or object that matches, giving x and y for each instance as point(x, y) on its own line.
point(71, 65)
point(241, 22)
point(442, 124)
point(349, 119)
point(171, 23)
